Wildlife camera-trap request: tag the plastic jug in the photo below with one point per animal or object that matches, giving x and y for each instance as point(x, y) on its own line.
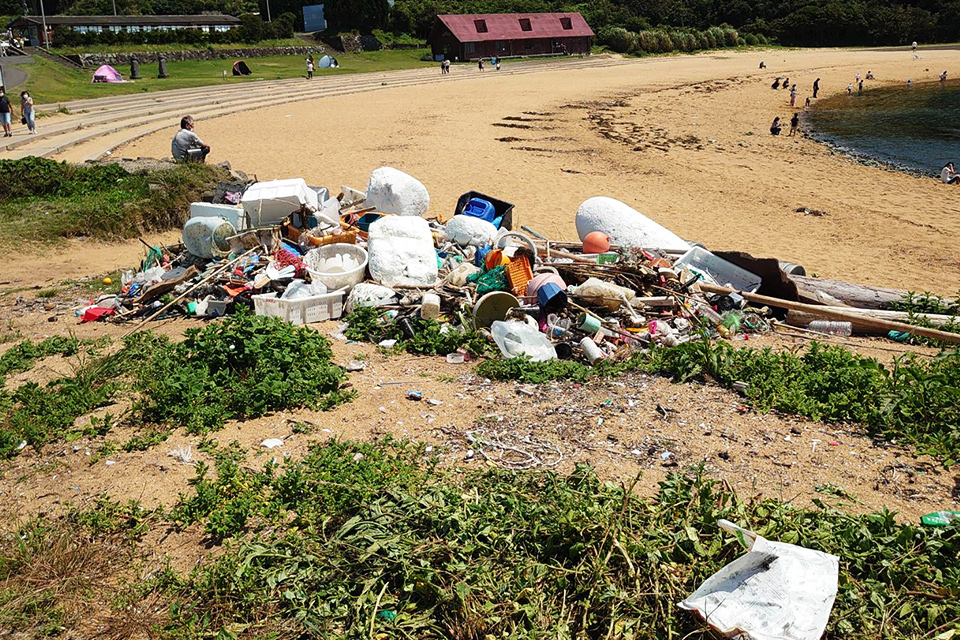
point(518, 338)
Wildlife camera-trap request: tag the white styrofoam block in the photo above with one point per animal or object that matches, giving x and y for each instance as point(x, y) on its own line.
point(367, 294)
point(271, 202)
point(401, 251)
point(467, 230)
point(232, 213)
point(393, 191)
point(625, 226)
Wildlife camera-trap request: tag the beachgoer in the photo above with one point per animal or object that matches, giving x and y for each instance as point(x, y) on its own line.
point(763, 65)
point(187, 145)
point(807, 104)
point(949, 175)
point(776, 83)
point(850, 88)
point(786, 83)
point(860, 87)
point(913, 47)
point(309, 68)
point(857, 78)
point(6, 114)
point(27, 115)
point(480, 64)
point(816, 87)
point(794, 123)
point(775, 128)
point(793, 96)
point(498, 64)
point(943, 76)
point(870, 75)
point(447, 62)
point(909, 82)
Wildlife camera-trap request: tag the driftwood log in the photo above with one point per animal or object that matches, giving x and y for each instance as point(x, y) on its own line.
point(854, 295)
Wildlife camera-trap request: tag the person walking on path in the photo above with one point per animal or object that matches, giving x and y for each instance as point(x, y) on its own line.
point(816, 87)
point(27, 115)
point(793, 96)
point(794, 123)
point(860, 87)
point(310, 68)
point(187, 146)
point(6, 114)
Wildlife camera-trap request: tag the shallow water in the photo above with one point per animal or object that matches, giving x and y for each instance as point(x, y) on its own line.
point(915, 128)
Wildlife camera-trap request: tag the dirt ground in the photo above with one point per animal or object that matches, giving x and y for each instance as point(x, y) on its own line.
point(681, 139)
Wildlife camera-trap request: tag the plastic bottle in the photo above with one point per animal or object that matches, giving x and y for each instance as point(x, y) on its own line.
point(557, 326)
point(591, 350)
point(712, 316)
point(831, 327)
point(603, 293)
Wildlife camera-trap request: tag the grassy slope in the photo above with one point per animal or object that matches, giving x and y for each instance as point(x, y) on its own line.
point(49, 82)
point(129, 48)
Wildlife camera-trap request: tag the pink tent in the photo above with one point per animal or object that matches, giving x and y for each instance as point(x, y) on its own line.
point(106, 73)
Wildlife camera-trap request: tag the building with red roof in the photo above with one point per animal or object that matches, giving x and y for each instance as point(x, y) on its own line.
point(504, 35)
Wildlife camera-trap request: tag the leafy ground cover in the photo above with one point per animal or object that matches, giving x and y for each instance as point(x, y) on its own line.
point(373, 541)
point(49, 82)
point(43, 200)
point(240, 368)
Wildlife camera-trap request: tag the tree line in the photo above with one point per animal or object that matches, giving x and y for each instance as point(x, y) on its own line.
point(788, 22)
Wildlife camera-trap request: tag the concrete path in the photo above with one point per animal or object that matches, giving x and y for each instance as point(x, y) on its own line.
point(13, 76)
point(94, 128)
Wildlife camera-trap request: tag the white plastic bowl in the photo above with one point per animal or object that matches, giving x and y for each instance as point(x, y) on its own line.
point(337, 265)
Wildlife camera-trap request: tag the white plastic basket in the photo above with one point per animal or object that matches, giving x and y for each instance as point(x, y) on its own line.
point(329, 306)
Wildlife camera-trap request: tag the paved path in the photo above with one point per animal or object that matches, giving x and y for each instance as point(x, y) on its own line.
point(13, 76)
point(94, 128)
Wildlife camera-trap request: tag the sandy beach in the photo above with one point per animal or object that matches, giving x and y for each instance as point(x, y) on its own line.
point(683, 139)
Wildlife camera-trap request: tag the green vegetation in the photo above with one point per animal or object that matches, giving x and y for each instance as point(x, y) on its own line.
point(50, 82)
point(915, 401)
point(430, 337)
point(374, 541)
point(242, 367)
point(43, 200)
point(661, 41)
point(22, 356)
point(176, 46)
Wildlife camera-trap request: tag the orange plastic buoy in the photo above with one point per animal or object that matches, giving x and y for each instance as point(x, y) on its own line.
point(596, 242)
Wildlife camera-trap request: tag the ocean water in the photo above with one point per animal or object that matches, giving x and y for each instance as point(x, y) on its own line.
point(913, 128)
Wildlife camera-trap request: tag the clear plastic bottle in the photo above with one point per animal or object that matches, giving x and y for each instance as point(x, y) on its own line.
point(831, 327)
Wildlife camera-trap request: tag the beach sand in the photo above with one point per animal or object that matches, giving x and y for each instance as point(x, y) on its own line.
point(682, 139)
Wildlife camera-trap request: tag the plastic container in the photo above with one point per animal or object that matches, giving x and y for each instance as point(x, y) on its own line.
point(301, 311)
point(480, 208)
point(519, 274)
point(493, 307)
point(721, 271)
point(503, 210)
point(206, 237)
point(270, 202)
point(831, 327)
point(591, 350)
point(518, 338)
point(430, 306)
point(230, 212)
point(337, 265)
point(543, 278)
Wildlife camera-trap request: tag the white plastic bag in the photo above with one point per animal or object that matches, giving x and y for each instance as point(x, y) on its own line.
point(778, 591)
point(518, 338)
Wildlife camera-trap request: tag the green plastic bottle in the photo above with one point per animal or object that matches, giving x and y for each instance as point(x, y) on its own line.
point(940, 518)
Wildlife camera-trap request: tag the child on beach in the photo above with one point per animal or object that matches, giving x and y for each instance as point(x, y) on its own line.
point(850, 88)
point(793, 96)
point(794, 123)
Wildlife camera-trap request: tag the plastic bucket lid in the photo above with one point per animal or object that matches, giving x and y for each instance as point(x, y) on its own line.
point(492, 307)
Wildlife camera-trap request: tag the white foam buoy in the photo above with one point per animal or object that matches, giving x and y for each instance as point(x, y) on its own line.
point(393, 191)
point(625, 225)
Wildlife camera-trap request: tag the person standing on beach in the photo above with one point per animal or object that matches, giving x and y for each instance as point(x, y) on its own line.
point(793, 96)
point(480, 64)
point(850, 88)
point(860, 88)
point(310, 68)
point(913, 47)
point(26, 111)
point(943, 76)
point(794, 123)
point(949, 175)
point(6, 114)
point(816, 87)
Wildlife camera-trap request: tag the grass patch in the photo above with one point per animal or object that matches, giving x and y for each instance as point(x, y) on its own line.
point(23, 355)
point(43, 200)
point(240, 368)
point(51, 83)
point(177, 46)
point(430, 337)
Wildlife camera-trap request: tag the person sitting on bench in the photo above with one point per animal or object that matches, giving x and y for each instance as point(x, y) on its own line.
point(187, 146)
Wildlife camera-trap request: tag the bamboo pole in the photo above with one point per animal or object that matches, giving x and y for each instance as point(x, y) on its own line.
point(833, 313)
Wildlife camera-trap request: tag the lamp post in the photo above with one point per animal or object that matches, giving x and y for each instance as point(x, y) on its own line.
point(43, 16)
point(268, 12)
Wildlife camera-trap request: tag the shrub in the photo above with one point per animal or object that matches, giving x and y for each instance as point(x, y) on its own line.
point(617, 39)
point(730, 37)
point(751, 40)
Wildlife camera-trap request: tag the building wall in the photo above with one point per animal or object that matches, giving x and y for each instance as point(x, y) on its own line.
point(445, 43)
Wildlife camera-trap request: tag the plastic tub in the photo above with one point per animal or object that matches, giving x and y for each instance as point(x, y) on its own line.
point(723, 273)
point(302, 310)
point(337, 265)
point(207, 237)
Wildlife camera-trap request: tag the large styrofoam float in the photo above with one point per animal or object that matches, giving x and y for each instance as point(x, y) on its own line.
point(470, 231)
point(625, 225)
point(401, 251)
point(393, 191)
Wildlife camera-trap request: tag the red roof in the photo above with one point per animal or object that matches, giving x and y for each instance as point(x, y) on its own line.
point(513, 26)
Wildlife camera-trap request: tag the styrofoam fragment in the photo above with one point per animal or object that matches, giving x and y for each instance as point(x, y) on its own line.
point(367, 294)
point(625, 226)
point(467, 230)
point(393, 191)
point(401, 252)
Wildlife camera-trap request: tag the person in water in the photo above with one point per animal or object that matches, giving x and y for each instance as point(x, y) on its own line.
point(775, 128)
point(949, 175)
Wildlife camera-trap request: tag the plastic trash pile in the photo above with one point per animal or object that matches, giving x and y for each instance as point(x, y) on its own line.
point(286, 249)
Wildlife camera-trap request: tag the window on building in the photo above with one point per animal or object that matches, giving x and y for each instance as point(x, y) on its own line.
point(566, 23)
point(134, 28)
point(81, 29)
point(501, 45)
point(469, 48)
point(148, 28)
point(481, 25)
point(525, 24)
point(96, 29)
point(116, 28)
point(222, 28)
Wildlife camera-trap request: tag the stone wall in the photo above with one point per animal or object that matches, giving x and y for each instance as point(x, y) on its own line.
point(354, 44)
point(150, 57)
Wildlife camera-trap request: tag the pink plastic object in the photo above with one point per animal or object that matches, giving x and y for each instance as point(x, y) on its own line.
point(543, 278)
